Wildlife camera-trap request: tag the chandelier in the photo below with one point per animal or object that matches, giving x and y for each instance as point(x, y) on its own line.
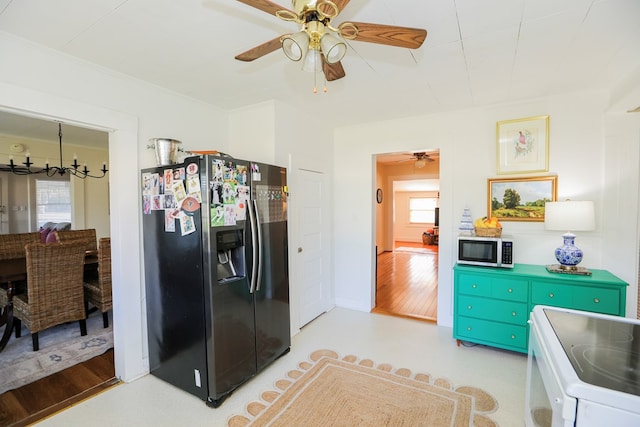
point(74, 168)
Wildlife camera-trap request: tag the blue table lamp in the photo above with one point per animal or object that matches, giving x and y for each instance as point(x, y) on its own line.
point(569, 215)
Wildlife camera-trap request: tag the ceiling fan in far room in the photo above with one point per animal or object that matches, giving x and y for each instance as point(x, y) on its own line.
point(318, 44)
point(420, 158)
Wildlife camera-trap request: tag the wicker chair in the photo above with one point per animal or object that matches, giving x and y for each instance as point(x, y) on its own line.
point(11, 247)
point(97, 291)
point(88, 235)
point(54, 292)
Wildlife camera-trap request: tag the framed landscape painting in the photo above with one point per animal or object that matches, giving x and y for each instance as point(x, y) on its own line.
point(520, 199)
point(523, 145)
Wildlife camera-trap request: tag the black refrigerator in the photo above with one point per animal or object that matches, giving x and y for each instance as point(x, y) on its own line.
point(216, 272)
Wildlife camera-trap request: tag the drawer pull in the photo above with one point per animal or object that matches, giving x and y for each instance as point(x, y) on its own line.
point(596, 300)
point(469, 307)
point(509, 290)
point(513, 313)
point(550, 295)
point(468, 328)
point(474, 286)
point(513, 337)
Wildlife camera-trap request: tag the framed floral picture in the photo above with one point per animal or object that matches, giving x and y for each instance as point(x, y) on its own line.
point(520, 199)
point(523, 145)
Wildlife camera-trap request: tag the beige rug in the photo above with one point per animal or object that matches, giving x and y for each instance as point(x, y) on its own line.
point(333, 391)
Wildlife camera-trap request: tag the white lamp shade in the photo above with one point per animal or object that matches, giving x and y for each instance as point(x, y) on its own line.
point(295, 46)
point(333, 48)
point(569, 216)
point(312, 62)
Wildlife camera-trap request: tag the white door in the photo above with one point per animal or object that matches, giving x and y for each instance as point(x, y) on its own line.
point(313, 284)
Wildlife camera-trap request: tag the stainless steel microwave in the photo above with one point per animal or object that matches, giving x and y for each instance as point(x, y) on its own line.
point(486, 251)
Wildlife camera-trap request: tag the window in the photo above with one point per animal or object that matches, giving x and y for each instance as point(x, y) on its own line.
point(422, 209)
point(53, 201)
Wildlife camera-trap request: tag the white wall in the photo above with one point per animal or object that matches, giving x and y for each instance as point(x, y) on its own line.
point(42, 83)
point(620, 219)
point(467, 143)
point(251, 133)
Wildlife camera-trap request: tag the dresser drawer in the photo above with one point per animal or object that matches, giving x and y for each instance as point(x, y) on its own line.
point(474, 285)
point(551, 294)
point(598, 300)
point(507, 289)
point(502, 311)
point(579, 297)
point(497, 333)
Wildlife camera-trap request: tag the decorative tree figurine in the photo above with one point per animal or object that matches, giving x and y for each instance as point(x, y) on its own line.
point(466, 223)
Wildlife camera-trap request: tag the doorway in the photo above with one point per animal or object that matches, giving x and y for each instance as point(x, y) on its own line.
point(406, 281)
point(89, 206)
point(129, 323)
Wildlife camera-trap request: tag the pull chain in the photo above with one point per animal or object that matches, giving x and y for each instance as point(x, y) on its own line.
point(315, 78)
point(315, 82)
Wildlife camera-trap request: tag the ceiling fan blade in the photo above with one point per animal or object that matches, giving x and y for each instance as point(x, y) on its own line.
point(266, 6)
point(341, 4)
point(391, 35)
point(261, 50)
point(332, 71)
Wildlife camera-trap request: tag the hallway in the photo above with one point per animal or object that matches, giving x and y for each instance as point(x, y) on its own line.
point(407, 281)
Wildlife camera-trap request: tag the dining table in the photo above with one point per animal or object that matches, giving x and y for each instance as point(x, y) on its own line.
point(13, 272)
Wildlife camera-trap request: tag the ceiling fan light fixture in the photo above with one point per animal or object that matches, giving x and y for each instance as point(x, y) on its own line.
point(332, 48)
point(420, 163)
point(295, 46)
point(314, 18)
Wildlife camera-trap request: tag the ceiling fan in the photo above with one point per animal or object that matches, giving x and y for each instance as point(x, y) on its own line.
point(421, 158)
point(318, 43)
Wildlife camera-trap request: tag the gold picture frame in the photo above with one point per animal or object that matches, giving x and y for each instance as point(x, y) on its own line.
point(523, 145)
point(520, 199)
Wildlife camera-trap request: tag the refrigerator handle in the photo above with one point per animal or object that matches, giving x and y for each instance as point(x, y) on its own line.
point(254, 248)
point(259, 229)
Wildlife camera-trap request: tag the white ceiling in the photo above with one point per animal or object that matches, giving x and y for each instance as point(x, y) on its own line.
point(476, 52)
point(31, 128)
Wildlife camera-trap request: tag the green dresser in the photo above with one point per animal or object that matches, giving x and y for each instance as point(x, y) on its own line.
point(492, 305)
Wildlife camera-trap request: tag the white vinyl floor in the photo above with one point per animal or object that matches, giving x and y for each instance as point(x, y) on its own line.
point(403, 343)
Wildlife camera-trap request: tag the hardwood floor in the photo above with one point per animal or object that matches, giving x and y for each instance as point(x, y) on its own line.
point(38, 400)
point(407, 282)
